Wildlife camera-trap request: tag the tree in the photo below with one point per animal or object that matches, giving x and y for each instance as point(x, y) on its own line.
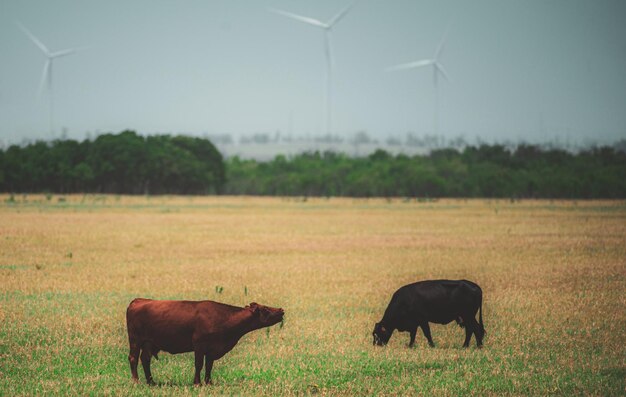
point(114, 163)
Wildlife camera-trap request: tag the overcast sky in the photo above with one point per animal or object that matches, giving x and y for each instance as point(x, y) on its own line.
point(521, 70)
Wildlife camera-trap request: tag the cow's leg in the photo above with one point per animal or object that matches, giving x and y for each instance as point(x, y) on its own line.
point(146, 355)
point(133, 359)
point(199, 356)
point(469, 322)
point(478, 332)
point(209, 366)
point(412, 332)
point(479, 336)
point(426, 330)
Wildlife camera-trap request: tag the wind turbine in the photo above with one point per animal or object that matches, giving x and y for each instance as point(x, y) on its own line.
point(437, 69)
point(46, 75)
point(327, 27)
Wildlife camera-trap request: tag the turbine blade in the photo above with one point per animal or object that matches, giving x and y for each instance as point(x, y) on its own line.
point(44, 77)
point(33, 38)
point(442, 42)
point(310, 21)
point(67, 52)
point(410, 65)
point(341, 14)
point(443, 72)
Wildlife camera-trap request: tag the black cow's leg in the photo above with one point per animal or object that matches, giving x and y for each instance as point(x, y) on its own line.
point(426, 330)
point(209, 366)
point(133, 359)
point(412, 332)
point(478, 332)
point(469, 329)
point(145, 363)
point(199, 356)
point(479, 337)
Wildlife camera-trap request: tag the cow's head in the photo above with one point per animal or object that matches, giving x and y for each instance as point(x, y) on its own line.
point(381, 334)
point(267, 315)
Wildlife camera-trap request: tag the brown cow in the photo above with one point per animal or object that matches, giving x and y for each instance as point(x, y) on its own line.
point(209, 329)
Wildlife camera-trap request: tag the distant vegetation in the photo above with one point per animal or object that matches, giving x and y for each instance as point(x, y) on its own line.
point(114, 163)
point(132, 164)
point(485, 171)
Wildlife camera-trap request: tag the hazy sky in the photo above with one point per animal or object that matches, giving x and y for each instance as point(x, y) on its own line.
point(526, 69)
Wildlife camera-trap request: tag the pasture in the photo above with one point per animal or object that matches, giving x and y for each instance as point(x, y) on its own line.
point(553, 276)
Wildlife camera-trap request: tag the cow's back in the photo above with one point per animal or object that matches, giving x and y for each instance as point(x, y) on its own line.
point(438, 301)
point(166, 325)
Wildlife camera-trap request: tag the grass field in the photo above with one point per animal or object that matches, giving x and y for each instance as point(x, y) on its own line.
point(553, 276)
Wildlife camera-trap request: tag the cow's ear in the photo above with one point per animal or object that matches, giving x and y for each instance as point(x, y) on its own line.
point(254, 306)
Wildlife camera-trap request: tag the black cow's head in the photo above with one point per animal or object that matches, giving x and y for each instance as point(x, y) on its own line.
point(381, 334)
point(267, 315)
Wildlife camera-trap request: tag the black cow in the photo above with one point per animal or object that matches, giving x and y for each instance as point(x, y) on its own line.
point(434, 301)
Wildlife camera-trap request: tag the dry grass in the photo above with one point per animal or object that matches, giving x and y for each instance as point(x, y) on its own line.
point(553, 276)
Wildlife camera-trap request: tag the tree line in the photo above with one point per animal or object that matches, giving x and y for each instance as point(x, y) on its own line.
point(124, 163)
point(127, 163)
point(528, 171)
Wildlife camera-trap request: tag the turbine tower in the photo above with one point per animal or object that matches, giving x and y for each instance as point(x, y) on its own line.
point(327, 27)
point(46, 76)
point(437, 69)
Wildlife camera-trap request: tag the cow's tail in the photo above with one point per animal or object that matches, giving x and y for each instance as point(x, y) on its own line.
point(480, 313)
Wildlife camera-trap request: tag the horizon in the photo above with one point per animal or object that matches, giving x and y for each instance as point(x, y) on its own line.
point(265, 147)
